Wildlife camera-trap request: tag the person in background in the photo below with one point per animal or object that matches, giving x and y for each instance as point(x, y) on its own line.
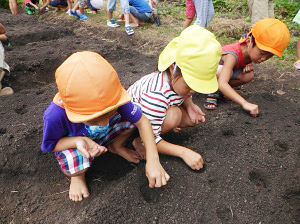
point(95, 5)
point(156, 16)
point(111, 6)
point(4, 67)
point(58, 4)
point(31, 6)
point(139, 10)
point(13, 6)
point(260, 9)
point(204, 9)
point(297, 63)
point(79, 6)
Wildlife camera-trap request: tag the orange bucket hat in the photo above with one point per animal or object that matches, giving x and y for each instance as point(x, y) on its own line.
point(271, 35)
point(88, 86)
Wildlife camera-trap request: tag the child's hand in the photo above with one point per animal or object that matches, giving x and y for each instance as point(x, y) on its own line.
point(192, 159)
point(248, 68)
point(156, 174)
point(88, 148)
point(252, 108)
point(195, 113)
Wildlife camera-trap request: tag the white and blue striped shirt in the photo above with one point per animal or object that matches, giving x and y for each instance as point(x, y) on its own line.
point(154, 95)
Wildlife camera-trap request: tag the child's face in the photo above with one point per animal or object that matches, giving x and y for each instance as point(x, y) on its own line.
point(181, 88)
point(102, 120)
point(257, 55)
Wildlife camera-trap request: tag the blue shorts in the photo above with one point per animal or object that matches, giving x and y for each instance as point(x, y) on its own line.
point(140, 15)
point(71, 161)
point(235, 72)
point(59, 3)
point(91, 6)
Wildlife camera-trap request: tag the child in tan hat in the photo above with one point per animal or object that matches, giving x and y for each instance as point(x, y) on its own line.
point(268, 37)
point(93, 113)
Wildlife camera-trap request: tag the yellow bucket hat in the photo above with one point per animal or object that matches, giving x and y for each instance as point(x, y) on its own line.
point(197, 53)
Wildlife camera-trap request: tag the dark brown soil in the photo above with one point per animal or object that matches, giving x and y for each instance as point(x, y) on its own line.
point(252, 172)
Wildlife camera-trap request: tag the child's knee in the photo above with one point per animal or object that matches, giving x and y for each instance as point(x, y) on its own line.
point(248, 77)
point(172, 119)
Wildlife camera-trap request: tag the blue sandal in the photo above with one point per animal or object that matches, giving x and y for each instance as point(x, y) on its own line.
point(211, 101)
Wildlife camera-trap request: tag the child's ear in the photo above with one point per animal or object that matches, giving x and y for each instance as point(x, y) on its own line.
point(248, 41)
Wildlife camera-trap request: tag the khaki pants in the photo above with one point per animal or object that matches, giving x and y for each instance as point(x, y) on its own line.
point(260, 9)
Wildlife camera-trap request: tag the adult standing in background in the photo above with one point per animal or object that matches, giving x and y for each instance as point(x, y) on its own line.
point(260, 9)
point(13, 6)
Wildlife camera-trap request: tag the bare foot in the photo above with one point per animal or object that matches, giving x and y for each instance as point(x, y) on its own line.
point(139, 147)
point(6, 91)
point(129, 155)
point(134, 25)
point(192, 159)
point(176, 130)
point(78, 189)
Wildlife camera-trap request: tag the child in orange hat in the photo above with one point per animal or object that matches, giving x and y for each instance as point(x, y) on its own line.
point(93, 113)
point(268, 37)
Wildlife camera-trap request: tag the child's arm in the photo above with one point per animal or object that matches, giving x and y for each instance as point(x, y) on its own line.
point(87, 147)
point(191, 158)
point(46, 3)
point(2, 29)
point(3, 37)
point(195, 113)
point(35, 6)
point(155, 173)
point(227, 90)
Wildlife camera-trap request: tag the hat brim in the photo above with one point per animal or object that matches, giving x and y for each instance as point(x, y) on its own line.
point(201, 86)
point(168, 55)
point(268, 49)
point(78, 118)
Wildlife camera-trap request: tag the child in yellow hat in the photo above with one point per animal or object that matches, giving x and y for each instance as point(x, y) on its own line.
point(187, 65)
point(93, 113)
point(268, 37)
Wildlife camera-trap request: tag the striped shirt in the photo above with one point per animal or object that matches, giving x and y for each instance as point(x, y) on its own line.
point(154, 95)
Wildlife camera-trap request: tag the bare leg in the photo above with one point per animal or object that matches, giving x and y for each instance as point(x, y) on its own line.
point(298, 49)
point(185, 120)
point(76, 6)
point(69, 4)
point(135, 21)
point(78, 188)
point(109, 15)
point(241, 79)
point(126, 17)
point(13, 6)
point(172, 120)
point(118, 148)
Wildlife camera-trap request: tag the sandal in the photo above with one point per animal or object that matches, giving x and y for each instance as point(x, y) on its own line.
point(297, 64)
point(225, 98)
point(211, 101)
